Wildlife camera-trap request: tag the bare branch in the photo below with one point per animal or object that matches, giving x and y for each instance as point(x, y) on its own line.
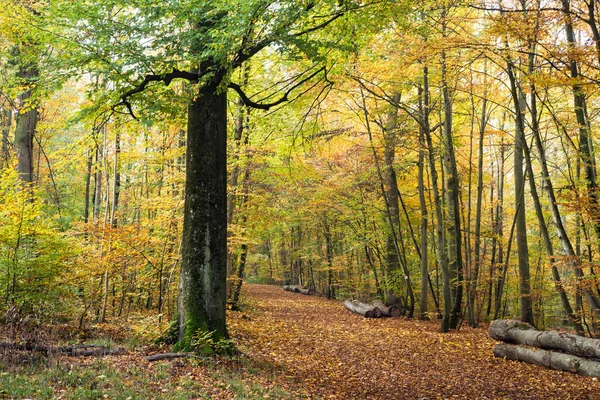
point(285, 97)
point(166, 78)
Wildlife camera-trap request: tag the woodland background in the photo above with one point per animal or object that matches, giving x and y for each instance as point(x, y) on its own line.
point(441, 150)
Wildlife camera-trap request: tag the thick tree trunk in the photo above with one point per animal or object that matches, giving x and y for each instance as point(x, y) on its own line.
point(202, 291)
point(513, 331)
point(549, 359)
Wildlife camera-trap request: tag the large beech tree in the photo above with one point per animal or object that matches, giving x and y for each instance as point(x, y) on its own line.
point(203, 43)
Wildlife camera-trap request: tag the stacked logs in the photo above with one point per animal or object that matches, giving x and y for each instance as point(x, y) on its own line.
point(374, 310)
point(297, 289)
point(557, 350)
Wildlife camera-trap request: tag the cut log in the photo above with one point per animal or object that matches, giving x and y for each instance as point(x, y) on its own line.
point(366, 310)
point(391, 311)
point(513, 331)
point(549, 359)
point(297, 289)
point(392, 300)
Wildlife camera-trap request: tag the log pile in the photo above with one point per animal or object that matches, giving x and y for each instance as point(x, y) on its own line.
point(297, 289)
point(374, 310)
point(557, 350)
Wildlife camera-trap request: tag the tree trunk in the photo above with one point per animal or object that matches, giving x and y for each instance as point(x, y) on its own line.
point(363, 309)
point(391, 185)
point(513, 331)
point(522, 247)
point(6, 123)
point(454, 239)
point(25, 128)
point(549, 359)
point(472, 293)
point(441, 242)
point(561, 231)
point(116, 181)
point(202, 288)
point(423, 311)
point(391, 311)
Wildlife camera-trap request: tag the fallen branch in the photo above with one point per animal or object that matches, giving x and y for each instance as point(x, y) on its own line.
point(170, 356)
point(549, 359)
point(79, 350)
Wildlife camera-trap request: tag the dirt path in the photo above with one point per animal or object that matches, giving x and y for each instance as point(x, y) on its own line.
point(314, 347)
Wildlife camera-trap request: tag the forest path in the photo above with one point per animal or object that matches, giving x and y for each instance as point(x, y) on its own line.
point(313, 346)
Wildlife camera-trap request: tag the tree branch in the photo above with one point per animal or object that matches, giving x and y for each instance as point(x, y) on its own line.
point(166, 78)
point(266, 106)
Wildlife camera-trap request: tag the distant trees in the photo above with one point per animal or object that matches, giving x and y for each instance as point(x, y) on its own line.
point(399, 182)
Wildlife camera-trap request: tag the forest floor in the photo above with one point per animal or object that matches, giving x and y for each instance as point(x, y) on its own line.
point(297, 346)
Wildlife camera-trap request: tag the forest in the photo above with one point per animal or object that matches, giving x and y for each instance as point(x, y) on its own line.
point(167, 166)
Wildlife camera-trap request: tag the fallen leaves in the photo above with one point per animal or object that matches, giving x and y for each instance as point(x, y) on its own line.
point(315, 345)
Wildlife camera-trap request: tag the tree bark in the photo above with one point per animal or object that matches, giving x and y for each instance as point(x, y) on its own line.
point(202, 294)
point(5, 127)
point(391, 311)
point(513, 331)
point(472, 293)
point(423, 311)
point(440, 236)
point(521, 224)
point(363, 309)
point(549, 359)
point(454, 239)
point(26, 123)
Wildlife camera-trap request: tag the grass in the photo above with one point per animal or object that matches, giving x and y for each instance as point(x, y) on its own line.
point(133, 378)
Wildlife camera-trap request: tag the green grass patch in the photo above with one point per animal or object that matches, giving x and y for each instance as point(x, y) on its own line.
point(49, 379)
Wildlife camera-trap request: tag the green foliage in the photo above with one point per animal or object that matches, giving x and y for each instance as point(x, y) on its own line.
point(204, 343)
point(34, 253)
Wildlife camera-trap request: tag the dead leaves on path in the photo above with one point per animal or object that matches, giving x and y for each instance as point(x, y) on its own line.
point(315, 347)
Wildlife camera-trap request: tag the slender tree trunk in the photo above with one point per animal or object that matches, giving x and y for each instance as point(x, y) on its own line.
point(522, 247)
point(561, 231)
point(88, 181)
point(391, 226)
point(477, 256)
point(423, 311)
point(441, 243)
point(391, 184)
point(454, 239)
point(241, 121)
point(26, 123)
point(329, 255)
point(6, 124)
point(116, 181)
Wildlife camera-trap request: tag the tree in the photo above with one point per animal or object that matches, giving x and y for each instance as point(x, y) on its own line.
point(212, 57)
